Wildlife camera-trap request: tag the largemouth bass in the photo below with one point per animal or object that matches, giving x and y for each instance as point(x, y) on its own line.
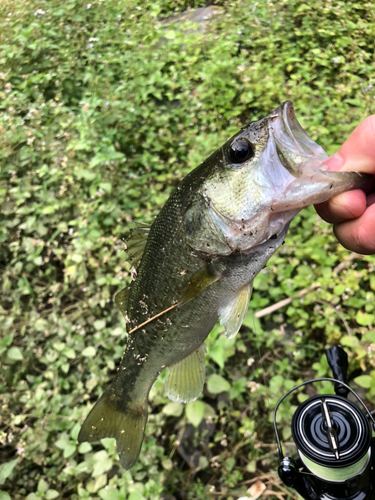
point(198, 261)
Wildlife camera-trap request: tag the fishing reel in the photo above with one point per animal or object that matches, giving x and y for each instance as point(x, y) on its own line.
point(333, 437)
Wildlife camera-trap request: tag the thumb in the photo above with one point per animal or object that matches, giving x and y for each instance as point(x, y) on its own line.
point(357, 154)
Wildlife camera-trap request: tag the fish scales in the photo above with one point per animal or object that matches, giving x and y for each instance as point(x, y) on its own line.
point(213, 236)
point(162, 277)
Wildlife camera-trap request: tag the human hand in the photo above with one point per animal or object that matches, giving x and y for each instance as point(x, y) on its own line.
point(353, 212)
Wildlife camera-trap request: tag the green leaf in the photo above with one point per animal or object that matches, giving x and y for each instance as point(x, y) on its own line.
point(349, 341)
point(102, 463)
point(59, 346)
point(217, 384)
point(216, 353)
point(221, 349)
point(49, 209)
point(209, 412)
point(42, 486)
point(99, 324)
point(370, 337)
point(77, 257)
point(4, 495)
point(75, 431)
point(136, 495)
point(106, 186)
point(365, 319)
point(69, 449)
point(62, 441)
point(117, 332)
point(110, 493)
point(86, 174)
point(230, 463)
point(69, 352)
point(169, 34)
point(364, 381)
point(173, 409)
point(5, 342)
point(84, 448)
point(194, 412)
point(167, 463)
point(51, 494)
point(109, 443)
point(15, 354)
point(6, 469)
point(89, 352)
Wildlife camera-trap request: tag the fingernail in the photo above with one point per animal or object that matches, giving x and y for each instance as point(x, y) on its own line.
point(334, 162)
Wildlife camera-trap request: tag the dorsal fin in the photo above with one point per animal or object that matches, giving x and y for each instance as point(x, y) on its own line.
point(136, 242)
point(121, 299)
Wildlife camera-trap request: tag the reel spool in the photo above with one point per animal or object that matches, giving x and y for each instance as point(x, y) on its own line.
point(333, 438)
point(334, 442)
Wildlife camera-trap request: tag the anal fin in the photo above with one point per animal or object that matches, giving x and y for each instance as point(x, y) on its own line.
point(186, 378)
point(232, 315)
point(126, 423)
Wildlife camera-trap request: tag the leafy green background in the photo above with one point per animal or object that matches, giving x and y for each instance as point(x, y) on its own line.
point(105, 106)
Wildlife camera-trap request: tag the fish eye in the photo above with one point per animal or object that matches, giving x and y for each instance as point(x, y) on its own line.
point(240, 150)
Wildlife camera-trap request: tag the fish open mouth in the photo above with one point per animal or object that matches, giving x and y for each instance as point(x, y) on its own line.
point(297, 152)
point(302, 157)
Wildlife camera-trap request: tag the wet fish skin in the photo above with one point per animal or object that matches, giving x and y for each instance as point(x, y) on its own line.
point(213, 236)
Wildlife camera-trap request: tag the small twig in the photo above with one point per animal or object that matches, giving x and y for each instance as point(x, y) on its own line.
point(325, 303)
point(273, 445)
point(277, 494)
point(346, 262)
point(71, 306)
point(262, 477)
point(285, 302)
point(275, 481)
point(266, 356)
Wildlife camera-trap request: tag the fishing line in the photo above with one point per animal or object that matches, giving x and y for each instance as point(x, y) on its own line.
point(339, 474)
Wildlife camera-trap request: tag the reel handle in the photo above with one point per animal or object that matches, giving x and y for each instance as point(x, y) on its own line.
point(338, 362)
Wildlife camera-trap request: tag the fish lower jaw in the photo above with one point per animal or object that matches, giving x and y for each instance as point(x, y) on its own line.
point(270, 241)
point(317, 186)
point(250, 238)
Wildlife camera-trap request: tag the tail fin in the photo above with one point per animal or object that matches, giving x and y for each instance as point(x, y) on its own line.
point(125, 422)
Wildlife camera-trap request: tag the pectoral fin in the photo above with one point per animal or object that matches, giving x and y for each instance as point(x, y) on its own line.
point(202, 279)
point(185, 379)
point(233, 314)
